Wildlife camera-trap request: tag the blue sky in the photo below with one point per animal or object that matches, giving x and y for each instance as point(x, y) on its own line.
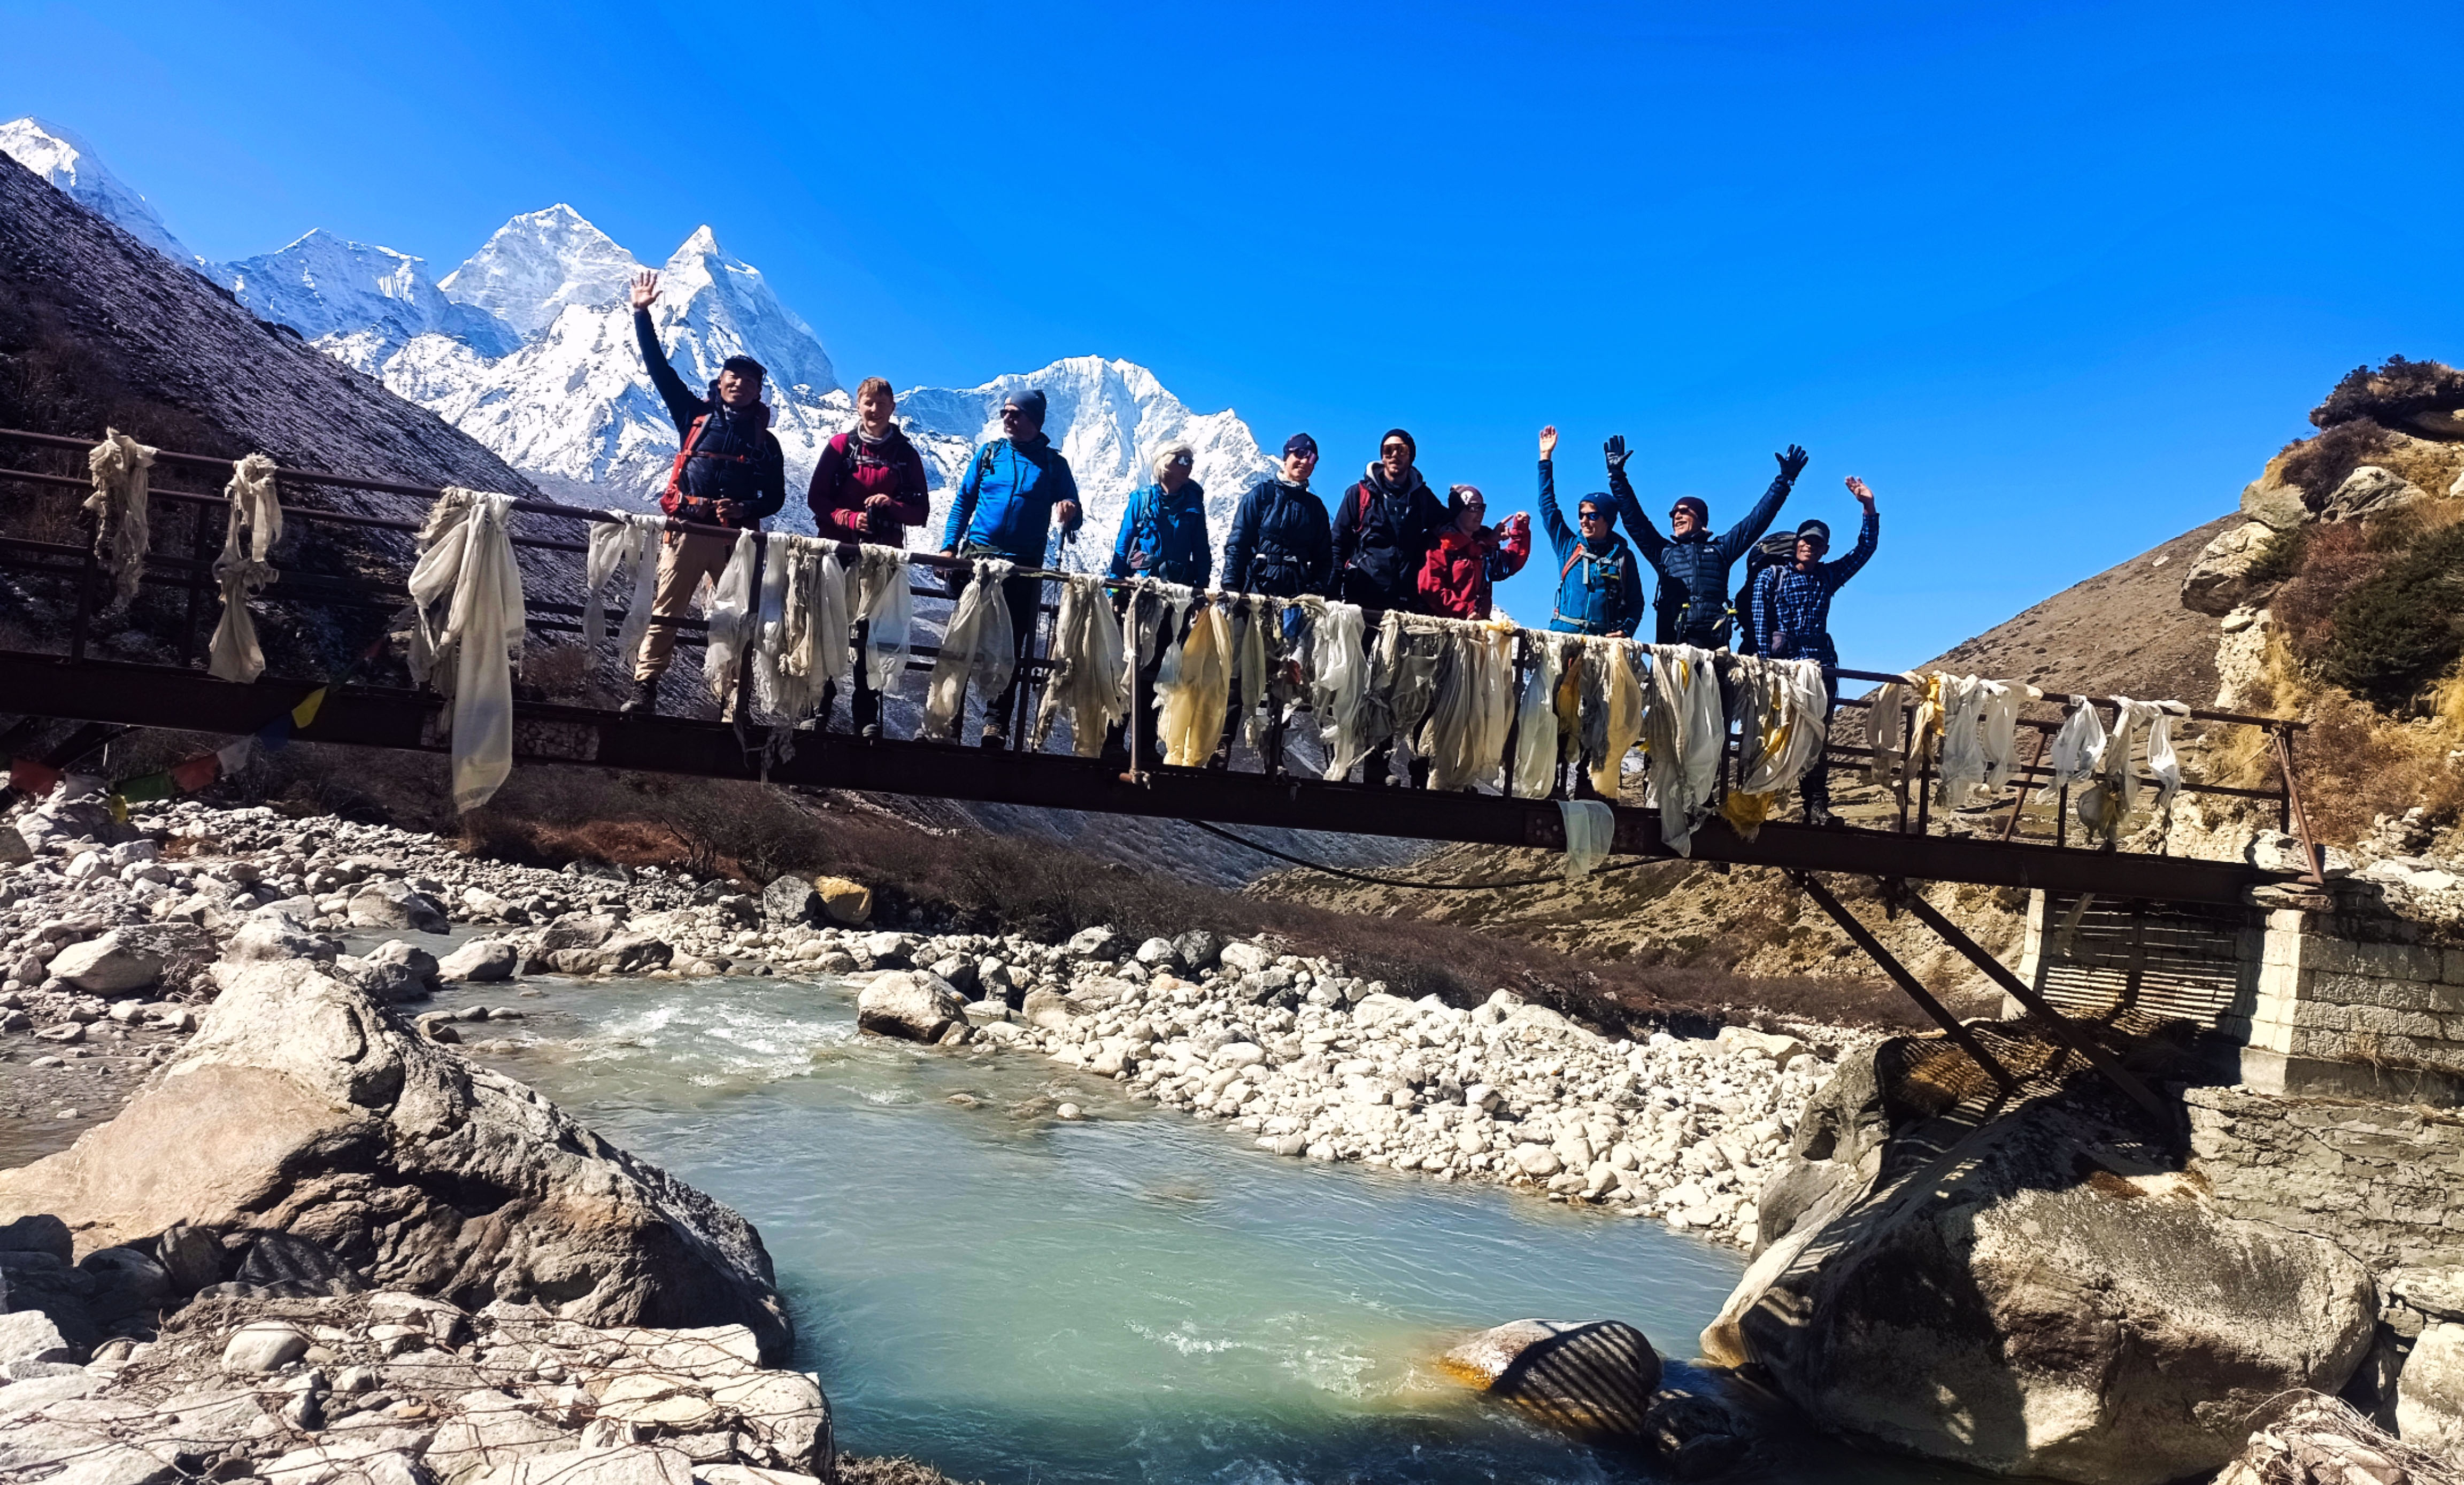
point(2056, 279)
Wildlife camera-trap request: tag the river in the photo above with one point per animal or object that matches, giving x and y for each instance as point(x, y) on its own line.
point(1139, 1295)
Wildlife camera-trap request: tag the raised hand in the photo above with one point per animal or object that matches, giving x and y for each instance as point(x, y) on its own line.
point(1617, 452)
point(1792, 464)
point(1549, 442)
point(1856, 487)
point(646, 289)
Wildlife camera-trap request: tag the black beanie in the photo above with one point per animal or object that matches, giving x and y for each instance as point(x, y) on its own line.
point(1029, 401)
point(745, 366)
point(1395, 433)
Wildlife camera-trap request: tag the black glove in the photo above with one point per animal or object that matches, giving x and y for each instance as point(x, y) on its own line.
point(1617, 452)
point(1792, 464)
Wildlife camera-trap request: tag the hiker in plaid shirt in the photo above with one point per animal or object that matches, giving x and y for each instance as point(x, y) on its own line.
point(1791, 621)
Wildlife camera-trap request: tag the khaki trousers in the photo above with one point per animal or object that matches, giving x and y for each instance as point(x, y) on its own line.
point(685, 560)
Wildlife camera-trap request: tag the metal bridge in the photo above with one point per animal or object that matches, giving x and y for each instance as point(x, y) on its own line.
point(47, 545)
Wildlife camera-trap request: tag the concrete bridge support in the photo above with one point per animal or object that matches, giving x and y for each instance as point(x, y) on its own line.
point(2305, 993)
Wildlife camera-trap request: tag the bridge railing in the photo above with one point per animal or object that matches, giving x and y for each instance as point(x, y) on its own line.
point(45, 538)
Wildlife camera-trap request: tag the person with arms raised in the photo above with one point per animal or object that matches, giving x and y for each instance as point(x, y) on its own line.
point(1015, 488)
point(1792, 621)
point(1599, 579)
point(1693, 564)
point(729, 471)
point(870, 485)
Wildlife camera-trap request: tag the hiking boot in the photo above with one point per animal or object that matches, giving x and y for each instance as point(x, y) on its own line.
point(1819, 816)
point(870, 731)
point(644, 700)
point(994, 739)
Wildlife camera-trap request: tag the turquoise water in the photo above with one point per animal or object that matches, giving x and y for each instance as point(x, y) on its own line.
point(1137, 1297)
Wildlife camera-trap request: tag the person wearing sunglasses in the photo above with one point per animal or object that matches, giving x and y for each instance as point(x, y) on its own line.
point(1693, 565)
point(1016, 487)
point(1466, 558)
point(1383, 526)
point(1599, 579)
point(1792, 621)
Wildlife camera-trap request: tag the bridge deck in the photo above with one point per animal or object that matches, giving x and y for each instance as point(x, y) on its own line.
point(72, 682)
point(169, 697)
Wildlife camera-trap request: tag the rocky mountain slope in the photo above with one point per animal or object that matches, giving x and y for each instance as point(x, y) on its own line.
point(97, 328)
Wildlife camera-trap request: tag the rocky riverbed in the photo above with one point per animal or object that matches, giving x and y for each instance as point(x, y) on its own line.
point(110, 929)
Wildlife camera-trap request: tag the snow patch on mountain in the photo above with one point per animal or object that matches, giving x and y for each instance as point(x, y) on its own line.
point(357, 302)
point(70, 163)
point(537, 264)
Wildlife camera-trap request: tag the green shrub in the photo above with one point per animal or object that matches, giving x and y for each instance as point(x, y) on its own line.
point(2282, 556)
point(2392, 634)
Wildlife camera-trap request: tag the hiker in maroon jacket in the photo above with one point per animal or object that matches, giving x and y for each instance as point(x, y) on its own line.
point(868, 486)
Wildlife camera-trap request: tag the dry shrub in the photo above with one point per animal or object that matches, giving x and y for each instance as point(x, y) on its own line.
point(2397, 390)
point(2395, 632)
point(2320, 463)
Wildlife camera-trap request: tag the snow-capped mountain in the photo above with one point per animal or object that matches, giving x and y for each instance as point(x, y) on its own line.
point(357, 302)
point(528, 346)
point(538, 263)
point(71, 164)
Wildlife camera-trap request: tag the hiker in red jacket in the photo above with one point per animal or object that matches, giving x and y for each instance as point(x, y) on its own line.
point(868, 487)
point(1466, 558)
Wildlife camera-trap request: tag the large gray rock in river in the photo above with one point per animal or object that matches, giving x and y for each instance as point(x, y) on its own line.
point(304, 1106)
point(915, 1005)
point(2041, 1294)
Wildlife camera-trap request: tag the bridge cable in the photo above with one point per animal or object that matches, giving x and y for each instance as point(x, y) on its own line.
point(1424, 886)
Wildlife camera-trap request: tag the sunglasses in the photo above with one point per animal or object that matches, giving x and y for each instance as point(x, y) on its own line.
point(1390, 449)
point(1590, 515)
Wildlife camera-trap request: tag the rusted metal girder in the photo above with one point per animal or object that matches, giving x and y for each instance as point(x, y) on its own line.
point(2043, 1010)
point(1901, 975)
point(367, 716)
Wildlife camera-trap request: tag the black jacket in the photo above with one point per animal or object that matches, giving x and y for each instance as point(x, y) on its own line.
point(735, 458)
point(1381, 534)
point(1280, 544)
point(1693, 599)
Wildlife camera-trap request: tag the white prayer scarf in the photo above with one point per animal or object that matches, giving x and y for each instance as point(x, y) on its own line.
point(977, 647)
point(254, 525)
point(122, 469)
point(466, 593)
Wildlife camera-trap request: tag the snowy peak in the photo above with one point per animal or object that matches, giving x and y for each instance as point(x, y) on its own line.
point(538, 263)
point(712, 306)
point(72, 167)
point(371, 299)
point(1110, 419)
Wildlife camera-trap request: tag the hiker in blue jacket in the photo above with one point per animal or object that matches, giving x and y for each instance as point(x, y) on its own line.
point(1163, 528)
point(1693, 565)
point(1792, 621)
point(1600, 580)
point(1163, 536)
point(1015, 488)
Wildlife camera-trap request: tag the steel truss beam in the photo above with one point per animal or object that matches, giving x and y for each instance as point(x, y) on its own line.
point(167, 697)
